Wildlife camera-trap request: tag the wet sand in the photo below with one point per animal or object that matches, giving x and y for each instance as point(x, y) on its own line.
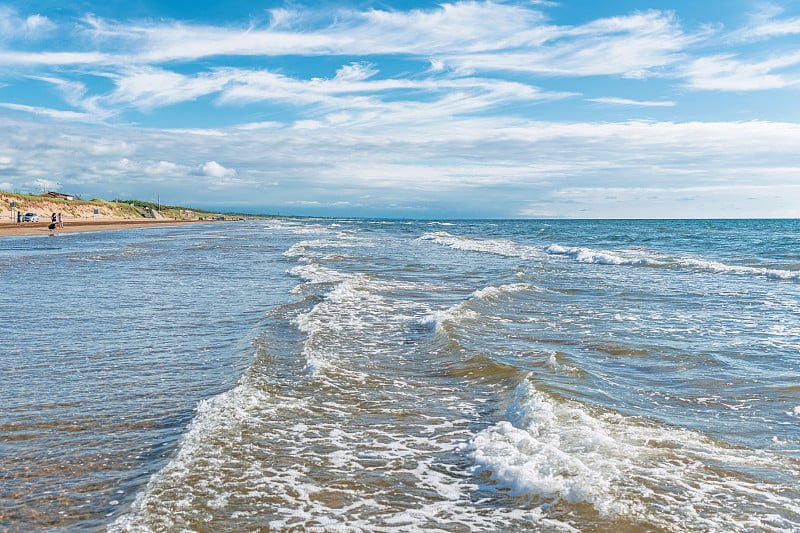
point(8, 229)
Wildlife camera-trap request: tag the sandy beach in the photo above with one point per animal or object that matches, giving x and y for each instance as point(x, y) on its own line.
point(8, 229)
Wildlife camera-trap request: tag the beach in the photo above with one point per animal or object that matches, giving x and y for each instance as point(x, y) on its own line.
point(8, 229)
point(83, 216)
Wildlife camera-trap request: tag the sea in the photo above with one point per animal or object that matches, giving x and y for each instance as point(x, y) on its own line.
point(352, 375)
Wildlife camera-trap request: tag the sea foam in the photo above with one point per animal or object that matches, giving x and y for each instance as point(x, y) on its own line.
point(603, 257)
point(634, 257)
point(552, 451)
point(557, 451)
point(493, 246)
point(462, 310)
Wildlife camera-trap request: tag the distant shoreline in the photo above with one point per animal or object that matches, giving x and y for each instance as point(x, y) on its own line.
point(8, 229)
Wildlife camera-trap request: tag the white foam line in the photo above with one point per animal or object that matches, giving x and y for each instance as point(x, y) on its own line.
point(498, 247)
point(221, 414)
point(602, 257)
point(715, 266)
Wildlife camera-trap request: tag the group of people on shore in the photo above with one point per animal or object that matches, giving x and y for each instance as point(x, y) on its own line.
point(56, 221)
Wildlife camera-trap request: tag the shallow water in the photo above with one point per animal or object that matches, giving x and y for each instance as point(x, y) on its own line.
point(363, 375)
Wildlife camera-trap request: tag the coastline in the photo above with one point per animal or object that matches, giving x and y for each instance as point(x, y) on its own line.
point(7, 229)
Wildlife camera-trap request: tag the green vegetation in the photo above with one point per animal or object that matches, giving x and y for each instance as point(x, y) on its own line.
point(117, 208)
point(76, 208)
point(175, 211)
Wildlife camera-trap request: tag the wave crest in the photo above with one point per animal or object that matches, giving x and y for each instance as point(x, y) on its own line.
point(554, 451)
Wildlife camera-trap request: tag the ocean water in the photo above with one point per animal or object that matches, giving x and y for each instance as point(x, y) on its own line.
point(372, 375)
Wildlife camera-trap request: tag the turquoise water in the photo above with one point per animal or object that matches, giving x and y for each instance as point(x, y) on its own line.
point(368, 375)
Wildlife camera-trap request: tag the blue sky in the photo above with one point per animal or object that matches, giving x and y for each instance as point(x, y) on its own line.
point(579, 109)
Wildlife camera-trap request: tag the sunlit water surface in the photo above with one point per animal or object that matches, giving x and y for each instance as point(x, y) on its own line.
point(367, 375)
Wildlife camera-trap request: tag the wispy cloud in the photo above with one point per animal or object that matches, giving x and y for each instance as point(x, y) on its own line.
point(728, 73)
point(453, 38)
point(519, 38)
point(14, 26)
point(353, 94)
point(55, 114)
point(632, 46)
point(148, 88)
point(611, 100)
point(56, 59)
point(765, 24)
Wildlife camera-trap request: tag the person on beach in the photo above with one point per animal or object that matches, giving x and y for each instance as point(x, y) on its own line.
point(60, 221)
point(53, 222)
point(19, 218)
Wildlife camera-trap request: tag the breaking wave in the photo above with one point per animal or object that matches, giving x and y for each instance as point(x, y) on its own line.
point(492, 246)
point(557, 451)
point(633, 257)
point(463, 310)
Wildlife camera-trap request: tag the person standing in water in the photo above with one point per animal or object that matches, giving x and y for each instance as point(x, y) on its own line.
point(60, 221)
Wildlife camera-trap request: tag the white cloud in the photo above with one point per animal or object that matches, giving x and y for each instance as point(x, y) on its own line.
point(54, 59)
point(306, 203)
point(627, 102)
point(36, 24)
point(73, 91)
point(212, 169)
point(437, 65)
point(14, 26)
point(164, 168)
point(519, 38)
point(147, 87)
point(44, 185)
point(369, 100)
point(764, 25)
point(489, 164)
point(266, 125)
point(355, 72)
point(110, 147)
point(628, 46)
point(55, 114)
point(727, 73)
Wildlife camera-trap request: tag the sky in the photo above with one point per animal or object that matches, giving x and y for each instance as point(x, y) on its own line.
point(408, 109)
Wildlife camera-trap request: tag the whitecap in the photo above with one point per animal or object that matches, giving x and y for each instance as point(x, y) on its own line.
point(603, 257)
point(638, 257)
point(492, 292)
point(558, 451)
point(462, 310)
point(723, 268)
point(501, 247)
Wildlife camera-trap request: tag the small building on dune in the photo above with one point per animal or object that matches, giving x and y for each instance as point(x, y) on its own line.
point(62, 196)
